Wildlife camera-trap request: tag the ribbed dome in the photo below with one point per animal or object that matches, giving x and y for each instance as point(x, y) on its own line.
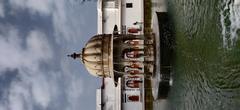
point(97, 55)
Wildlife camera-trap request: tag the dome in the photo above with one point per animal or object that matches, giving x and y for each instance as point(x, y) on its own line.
point(97, 55)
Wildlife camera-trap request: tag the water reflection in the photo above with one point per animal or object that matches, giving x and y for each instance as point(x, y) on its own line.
point(207, 61)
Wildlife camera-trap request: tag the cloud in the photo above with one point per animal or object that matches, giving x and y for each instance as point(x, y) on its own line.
point(27, 60)
point(46, 79)
point(15, 56)
point(38, 46)
point(65, 19)
point(36, 87)
point(34, 6)
point(40, 91)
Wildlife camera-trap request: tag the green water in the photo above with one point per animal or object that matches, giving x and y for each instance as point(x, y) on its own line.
point(207, 55)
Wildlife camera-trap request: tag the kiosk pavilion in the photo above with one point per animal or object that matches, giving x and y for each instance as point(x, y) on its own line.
point(116, 55)
point(128, 57)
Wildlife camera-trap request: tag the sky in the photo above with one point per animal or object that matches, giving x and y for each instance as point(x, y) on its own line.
point(35, 38)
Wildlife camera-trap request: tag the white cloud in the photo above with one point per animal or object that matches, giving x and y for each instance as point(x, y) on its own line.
point(65, 19)
point(33, 86)
point(34, 6)
point(74, 90)
point(44, 88)
point(36, 86)
point(13, 55)
point(17, 96)
point(40, 91)
point(38, 45)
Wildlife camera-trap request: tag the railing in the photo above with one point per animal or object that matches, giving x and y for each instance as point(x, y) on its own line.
point(116, 3)
point(123, 30)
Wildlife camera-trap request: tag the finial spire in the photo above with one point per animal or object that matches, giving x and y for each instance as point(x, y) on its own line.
point(75, 55)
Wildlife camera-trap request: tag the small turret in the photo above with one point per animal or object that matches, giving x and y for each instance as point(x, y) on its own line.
point(97, 56)
point(75, 55)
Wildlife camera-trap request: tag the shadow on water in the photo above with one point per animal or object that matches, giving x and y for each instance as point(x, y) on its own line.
point(206, 64)
point(167, 46)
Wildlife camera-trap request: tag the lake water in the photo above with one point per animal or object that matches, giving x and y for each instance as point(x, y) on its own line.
point(207, 56)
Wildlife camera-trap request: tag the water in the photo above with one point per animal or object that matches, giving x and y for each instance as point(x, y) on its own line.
point(207, 56)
